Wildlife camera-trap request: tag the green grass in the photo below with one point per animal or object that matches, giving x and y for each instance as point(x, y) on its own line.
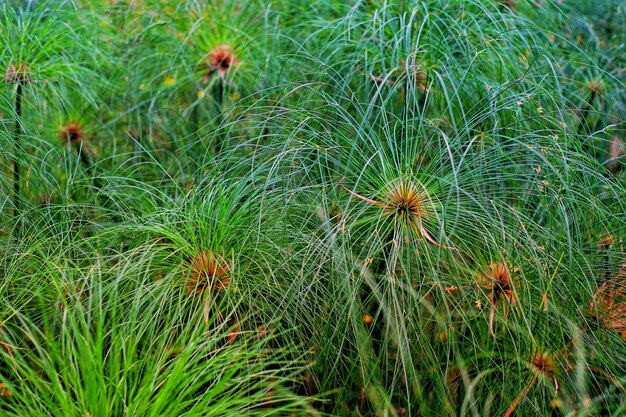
point(365, 208)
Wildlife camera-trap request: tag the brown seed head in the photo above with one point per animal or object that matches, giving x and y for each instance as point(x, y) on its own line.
point(544, 364)
point(608, 305)
point(208, 271)
point(605, 243)
point(45, 199)
point(19, 73)
point(497, 279)
point(617, 150)
point(71, 133)
point(405, 203)
point(222, 59)
point(596, 86)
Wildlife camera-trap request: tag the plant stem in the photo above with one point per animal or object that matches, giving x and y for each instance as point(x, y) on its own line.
point(84, 160)
point(584, 112)
point(381, 267)
point(84, 153)
point(16, 149)
point(220, 101)
point(509, 412)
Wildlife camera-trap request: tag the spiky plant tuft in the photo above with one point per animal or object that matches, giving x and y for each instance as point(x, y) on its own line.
point(608, 305)
point(499, 284)
point(221, 60)
point(544, 366)
point(17, 73)
point(72, 134)
point(408, 206)
point(596, 86)
point(207, 272)
point(406, 203)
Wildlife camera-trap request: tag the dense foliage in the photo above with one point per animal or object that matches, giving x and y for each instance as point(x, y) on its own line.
point(277, 207)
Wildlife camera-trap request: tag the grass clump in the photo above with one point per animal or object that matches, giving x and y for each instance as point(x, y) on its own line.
point(359, 208)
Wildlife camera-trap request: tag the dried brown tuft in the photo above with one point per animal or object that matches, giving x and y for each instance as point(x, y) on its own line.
point(44, 200)
point(19, 73)
point(408, 206)
point(221, 60)
point(608, 305)
point(605, 243)
point(596, 86)
point(544, 364)
point(207, 271)
point(617, 150)
point(71, 133)
point(406, 203)
point(497, 279)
